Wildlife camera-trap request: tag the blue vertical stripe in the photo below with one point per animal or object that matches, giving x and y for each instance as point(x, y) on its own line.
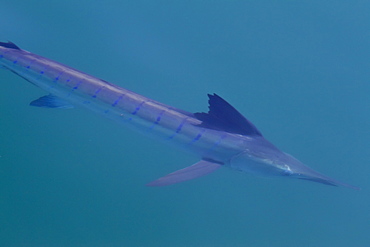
point(198, 136)
point(117, 100)
point(97, 91)
point(138, 108)
point(178, 129)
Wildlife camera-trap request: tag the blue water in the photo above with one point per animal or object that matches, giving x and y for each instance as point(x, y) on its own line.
point(300, 71)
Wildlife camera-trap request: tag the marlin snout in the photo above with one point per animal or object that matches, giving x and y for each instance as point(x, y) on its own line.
point(306, 173)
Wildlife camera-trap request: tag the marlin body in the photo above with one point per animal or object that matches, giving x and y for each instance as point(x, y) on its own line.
point(221, 137)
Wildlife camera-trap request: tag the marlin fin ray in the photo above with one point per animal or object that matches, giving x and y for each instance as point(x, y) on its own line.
point(199, 169)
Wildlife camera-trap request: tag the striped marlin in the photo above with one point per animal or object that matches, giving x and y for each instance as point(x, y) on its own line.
point(222, 137)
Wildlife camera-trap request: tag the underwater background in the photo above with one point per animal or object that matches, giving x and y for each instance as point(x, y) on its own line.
point(299, 70)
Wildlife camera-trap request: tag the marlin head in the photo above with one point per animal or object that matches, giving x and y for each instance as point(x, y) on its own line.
point(263, 158)
point(298, 170)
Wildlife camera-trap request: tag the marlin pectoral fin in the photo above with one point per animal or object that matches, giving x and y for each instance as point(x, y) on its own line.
point(199, 169)
point(51, 101)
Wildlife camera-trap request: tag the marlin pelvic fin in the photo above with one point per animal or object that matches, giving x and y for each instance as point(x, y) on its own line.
point(51, 101)
point(223, 116)
point(199, 169)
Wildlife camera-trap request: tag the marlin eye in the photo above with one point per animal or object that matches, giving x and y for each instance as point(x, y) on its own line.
point(287, 171)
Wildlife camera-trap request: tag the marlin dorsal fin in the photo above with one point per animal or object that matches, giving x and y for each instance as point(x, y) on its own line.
point(223, 116)
point(9, 45)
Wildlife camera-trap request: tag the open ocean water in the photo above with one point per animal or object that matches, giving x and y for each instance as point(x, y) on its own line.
point(299, 70)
